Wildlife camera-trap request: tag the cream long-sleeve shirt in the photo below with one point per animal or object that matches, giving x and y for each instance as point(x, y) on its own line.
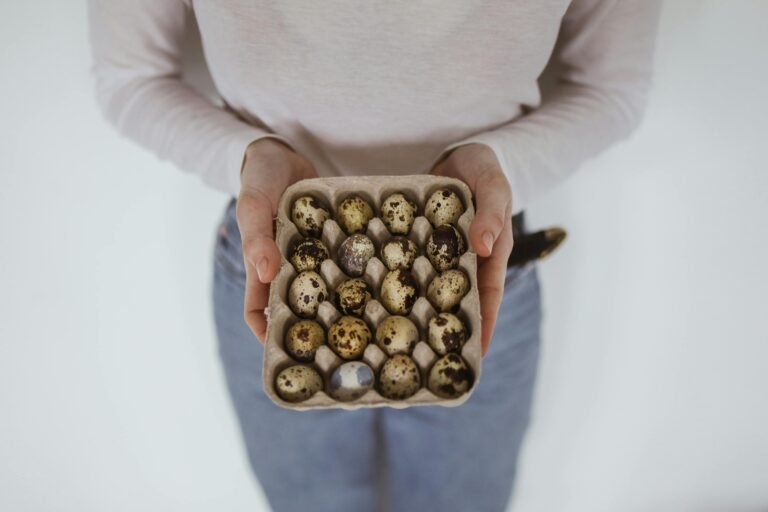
point(378, 87)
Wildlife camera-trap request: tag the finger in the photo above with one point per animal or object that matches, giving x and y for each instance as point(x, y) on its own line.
point(491, 274)
point(254, 218)
point(493, 202)
point(256, 298)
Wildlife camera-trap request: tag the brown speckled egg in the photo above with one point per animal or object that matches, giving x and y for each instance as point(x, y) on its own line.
point(298, 383)
point(397, 335)
point(308, 254)
point(444, 206)
point(353, 215)
point(446, 333)
point(398, 213)
point(309, 215)
point(450, 376)
point(444, 247)
point(348, 337)
point(399, 377)
point(352, 295)
point(447, 289)
point(302, 340)
point(306, 293)
point(398, 291)
point(354, 253)
point(399, 252)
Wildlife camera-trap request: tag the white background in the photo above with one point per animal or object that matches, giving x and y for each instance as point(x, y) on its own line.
point(653, 391)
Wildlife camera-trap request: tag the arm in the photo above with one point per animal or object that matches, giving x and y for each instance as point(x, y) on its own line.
point(605, 51)
point(136, 66)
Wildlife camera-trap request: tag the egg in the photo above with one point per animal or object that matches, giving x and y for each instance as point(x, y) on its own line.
point(306, 292)
point(443, 207)
point(352, 295)
point(309, 215)
point(351, 380)
point(298, 383)
point(444, 247)
point(398, 291)
point(354, 213)
point(399, 377)
point(398, 252)
point(348, 337)
point(302, 340)
point(446, 333)
point(397, 335)
point(308, 254)
point(398, 213)
point(447, 289)
point(354, 253)
point(450, 376)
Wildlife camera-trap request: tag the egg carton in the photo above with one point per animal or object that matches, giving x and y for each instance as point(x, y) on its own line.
point(331, 192)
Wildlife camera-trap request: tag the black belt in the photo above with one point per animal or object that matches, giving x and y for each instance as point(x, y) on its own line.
point(532, 246)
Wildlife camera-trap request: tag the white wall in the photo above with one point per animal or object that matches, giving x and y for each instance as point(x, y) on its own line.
point(654, 375)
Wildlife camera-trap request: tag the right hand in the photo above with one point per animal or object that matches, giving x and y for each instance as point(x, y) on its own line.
point(269, 168)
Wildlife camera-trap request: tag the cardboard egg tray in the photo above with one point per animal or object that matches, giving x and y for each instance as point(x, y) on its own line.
point(331, 192)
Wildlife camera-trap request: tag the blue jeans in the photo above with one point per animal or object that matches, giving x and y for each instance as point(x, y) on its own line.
point(418, 459)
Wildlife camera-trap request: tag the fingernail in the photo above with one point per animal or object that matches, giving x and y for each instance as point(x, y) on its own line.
point(261, 268)
point(488, 240)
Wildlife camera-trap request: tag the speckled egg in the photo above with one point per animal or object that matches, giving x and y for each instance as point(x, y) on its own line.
point(446, 333)
point(309, 215)
point(444, 206)
point(450, 376)
point(308, 254)
point(399, 377)
point(447, 289)
point(352, 295)
point(399, 252)
point(302, 340)
point(354, 253)
point(351, 380)
point(353, 215)
point(306, 293)
point(397, 335)
point(398, 213)
point(445, 246)
point(298, 383)
point(398, 291)
point(348, 337)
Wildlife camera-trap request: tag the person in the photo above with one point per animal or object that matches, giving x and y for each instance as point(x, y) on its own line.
point(379, 88)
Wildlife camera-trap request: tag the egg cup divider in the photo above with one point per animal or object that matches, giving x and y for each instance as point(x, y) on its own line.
point(331, 192)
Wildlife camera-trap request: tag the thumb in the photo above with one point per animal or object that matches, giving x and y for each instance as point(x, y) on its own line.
point(254, 218)
point(493, 202)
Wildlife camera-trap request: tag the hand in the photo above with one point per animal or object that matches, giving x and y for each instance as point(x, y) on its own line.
point(269, 168)
point(491, 231)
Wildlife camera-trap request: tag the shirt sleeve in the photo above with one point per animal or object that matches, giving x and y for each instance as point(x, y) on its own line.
point(136, 50)
point(604, 55)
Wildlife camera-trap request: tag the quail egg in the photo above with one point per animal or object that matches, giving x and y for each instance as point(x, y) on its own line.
point(306, 293)
point(309, 215)
point(354, 253)
point(444, 247)
point(399, 252)
point(443, 207)
point(398, 213)
point(298, 383)
point(354, 214)
point(450, 376)
point(302, 340)
point(348, 337)
point(398, 291)
point(399, 377)
point(308, 254)
point(447, 289)
point(351, 380)
point(352, 295)
point(397, 335)
point(446, 333)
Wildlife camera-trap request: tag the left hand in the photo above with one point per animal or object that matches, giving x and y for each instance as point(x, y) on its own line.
point(490, 233)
